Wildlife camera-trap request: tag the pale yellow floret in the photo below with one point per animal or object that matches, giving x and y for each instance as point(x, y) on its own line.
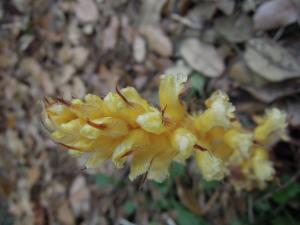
point(262, 166)
point(218, 113)
point(271, 126)
point(183, 141)
point(239, 141)
point(212, 168)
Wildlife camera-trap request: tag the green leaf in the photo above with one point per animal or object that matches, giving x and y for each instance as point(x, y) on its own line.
point(198, 82)
point(290, 192)
point(209, 185)
point(185, 217)
point(176, 170)
point(129, 207)
point(284, 219)
point(263, 206)
point(104, 180)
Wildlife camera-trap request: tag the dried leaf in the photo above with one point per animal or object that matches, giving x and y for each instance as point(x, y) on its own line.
point(151, 10)
point(202, 57)
point(226, 6)
point(274, 14)
point(235, 29)
point(139, 49)
point(86, 11)
point(158, 41)
point(292, 107)
point(79, 196)
point(270, 60)
point(110, 34)
point(272, 91)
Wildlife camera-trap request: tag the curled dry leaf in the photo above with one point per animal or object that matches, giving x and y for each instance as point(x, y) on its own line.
point(270, 60)
point(274, 14)
point(158, 41)
point(86, 11)
point(202, 57)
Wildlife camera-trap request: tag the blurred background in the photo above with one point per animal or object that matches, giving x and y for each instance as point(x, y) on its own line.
point(67, 48)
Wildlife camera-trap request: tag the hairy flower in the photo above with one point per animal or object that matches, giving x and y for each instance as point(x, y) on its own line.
point(125, 128)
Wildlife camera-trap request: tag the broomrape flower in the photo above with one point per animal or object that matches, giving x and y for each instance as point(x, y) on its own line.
point(256, 169)
point(126, 128)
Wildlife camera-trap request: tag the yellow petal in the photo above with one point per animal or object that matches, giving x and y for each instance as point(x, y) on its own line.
point(170, 89)
point(137, 139)
point(151, 122)
point(103, 150)
point(106, 126)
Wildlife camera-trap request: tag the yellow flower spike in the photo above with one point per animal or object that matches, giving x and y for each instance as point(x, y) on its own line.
point(106, 126)
point(262, 166)
point(211, 167)
point(271, 126)
point(152, 122)
point(125, 127)
point(183, 141)
point(136, 140)
point(239, 140)
point(171, 86)
point(219, 112)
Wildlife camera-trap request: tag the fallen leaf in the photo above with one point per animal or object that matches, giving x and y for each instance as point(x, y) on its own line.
point(234, 28)
point(79, 196)
point(202, 57)
point(292, 108)
point(274, 14)
point(78, 89)
point(270, 60)
point(139, 48)
point(79, 56)
point(150, 12)
point(158, 41)
point(179, 68)
point(226, 6)
point(243, 75)
point(272, 91)
point(110, 34)
point(86, 11)
point(64, 214)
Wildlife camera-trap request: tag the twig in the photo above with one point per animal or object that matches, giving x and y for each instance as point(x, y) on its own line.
point(185, 21)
